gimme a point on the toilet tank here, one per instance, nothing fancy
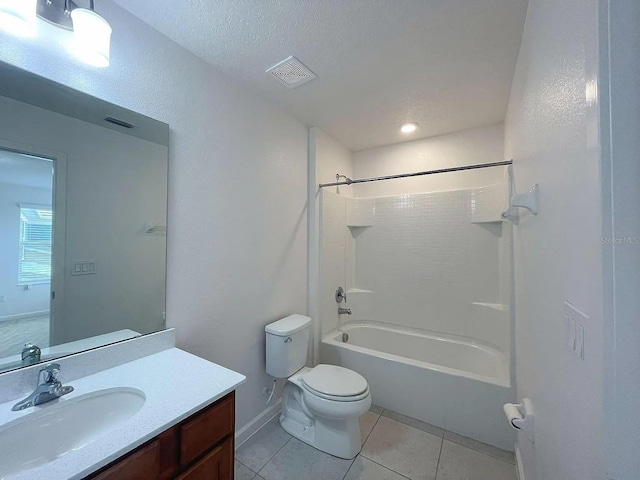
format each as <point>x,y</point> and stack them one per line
<point>287,345</point>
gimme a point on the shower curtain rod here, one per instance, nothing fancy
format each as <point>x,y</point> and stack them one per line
<point>348,181</point>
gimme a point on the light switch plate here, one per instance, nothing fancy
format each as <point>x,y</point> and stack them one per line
<point>84,267</point>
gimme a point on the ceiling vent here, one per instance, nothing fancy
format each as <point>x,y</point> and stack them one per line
<point>291,72</point>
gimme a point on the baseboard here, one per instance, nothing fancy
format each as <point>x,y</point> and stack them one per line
<point>246,432</point>
<point>21,316</point>
<point>519,467</point>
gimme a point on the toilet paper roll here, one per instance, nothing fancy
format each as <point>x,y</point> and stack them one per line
<point>513,415</point>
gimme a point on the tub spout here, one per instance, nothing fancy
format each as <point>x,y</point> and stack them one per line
<point>342,311</point>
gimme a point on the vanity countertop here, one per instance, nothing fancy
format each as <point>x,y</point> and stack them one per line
<point>176,385</point>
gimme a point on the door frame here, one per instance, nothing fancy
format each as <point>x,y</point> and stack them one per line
<point>59,232</point>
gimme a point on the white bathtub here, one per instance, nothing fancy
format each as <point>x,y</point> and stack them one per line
<point>451,382</point>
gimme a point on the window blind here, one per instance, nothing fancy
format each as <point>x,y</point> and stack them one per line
<point>35,244</point>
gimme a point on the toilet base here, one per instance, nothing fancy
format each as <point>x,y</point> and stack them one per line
<point>340,438</point>
<point>337,437</point>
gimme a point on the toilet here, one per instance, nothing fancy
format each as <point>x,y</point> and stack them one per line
<point>321,405</point>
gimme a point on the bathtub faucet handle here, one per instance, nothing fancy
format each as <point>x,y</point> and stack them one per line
<point>341,295</point>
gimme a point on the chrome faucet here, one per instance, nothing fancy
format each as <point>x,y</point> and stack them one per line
<point>342,311</point>
<point>30,354</point>
<point>49,388</point>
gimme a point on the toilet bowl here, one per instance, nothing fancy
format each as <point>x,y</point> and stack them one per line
<point>326,418</point>
<point>321,405</point>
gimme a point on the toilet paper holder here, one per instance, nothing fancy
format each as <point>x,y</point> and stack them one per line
<point>520,416</point>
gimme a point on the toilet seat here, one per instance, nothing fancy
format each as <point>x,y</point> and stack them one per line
<point>335,383</point>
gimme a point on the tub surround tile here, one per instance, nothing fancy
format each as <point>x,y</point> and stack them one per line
<point>243,473</point>
<point>480,447</point>
<point>403,449</point>
<point>299,461</point>
<point>256,452</point>
<point>364,469</point>
<point>367,422</point>
<point>412,422</point>
<point>458,462</point>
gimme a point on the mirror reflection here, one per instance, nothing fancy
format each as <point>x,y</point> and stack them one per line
<point>82,222</point>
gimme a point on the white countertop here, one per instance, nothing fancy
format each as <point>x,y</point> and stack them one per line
<point>176,385</point>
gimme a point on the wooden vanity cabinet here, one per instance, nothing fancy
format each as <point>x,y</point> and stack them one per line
<point>198,448</point>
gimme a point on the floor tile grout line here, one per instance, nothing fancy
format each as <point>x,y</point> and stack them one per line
<point>439,456</point>
<point>251,470</point>
<point>277,451</point>
<point>365,440</point>
<point>443,436</point>
<point>386,467</point>
<point>369,434</point>
<point>479,451</point>
<point>413,426</point>
<point>350,465</point>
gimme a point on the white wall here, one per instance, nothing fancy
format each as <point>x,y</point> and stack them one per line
<point>18,300</point>
<point>552,135</point>
<point>237,244</point>
<point>620,108</point>
<point>468,147</point>
<point>332,158</point>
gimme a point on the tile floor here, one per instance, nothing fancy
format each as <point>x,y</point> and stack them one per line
<point>395,447</point>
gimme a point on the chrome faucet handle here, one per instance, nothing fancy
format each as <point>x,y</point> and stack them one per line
<point>341,295</point>
<point>49,388</point>
<point>31,351</point>
<point>49,374</point>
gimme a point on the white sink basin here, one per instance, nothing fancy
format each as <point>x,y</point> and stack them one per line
<point>64,426</point>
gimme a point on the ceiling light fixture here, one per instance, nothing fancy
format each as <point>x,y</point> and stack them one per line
<point>92,36</point>
<point>17,17</point>
<point>409,128</point>
<point>92,33</point>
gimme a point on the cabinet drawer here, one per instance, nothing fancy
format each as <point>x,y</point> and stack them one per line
<point>216,465</point>
<point>206,430</point>
<point>144,464</point>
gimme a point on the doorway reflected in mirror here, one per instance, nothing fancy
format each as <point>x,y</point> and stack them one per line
<point>26,239</point>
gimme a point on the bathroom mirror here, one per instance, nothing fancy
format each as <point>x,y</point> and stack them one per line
<point>83,219</point>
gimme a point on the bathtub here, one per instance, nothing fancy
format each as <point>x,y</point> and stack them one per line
<point>452,382</point>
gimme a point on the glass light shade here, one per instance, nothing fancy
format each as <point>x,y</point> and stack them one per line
<point>92,37</point>
<point>17,17</point>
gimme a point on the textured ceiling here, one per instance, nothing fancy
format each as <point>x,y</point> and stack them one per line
<point>446,64</point>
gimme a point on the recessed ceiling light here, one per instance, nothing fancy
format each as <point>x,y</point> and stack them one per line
<point>409,127</point>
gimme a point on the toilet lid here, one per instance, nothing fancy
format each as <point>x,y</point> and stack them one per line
<point>335,381</point>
